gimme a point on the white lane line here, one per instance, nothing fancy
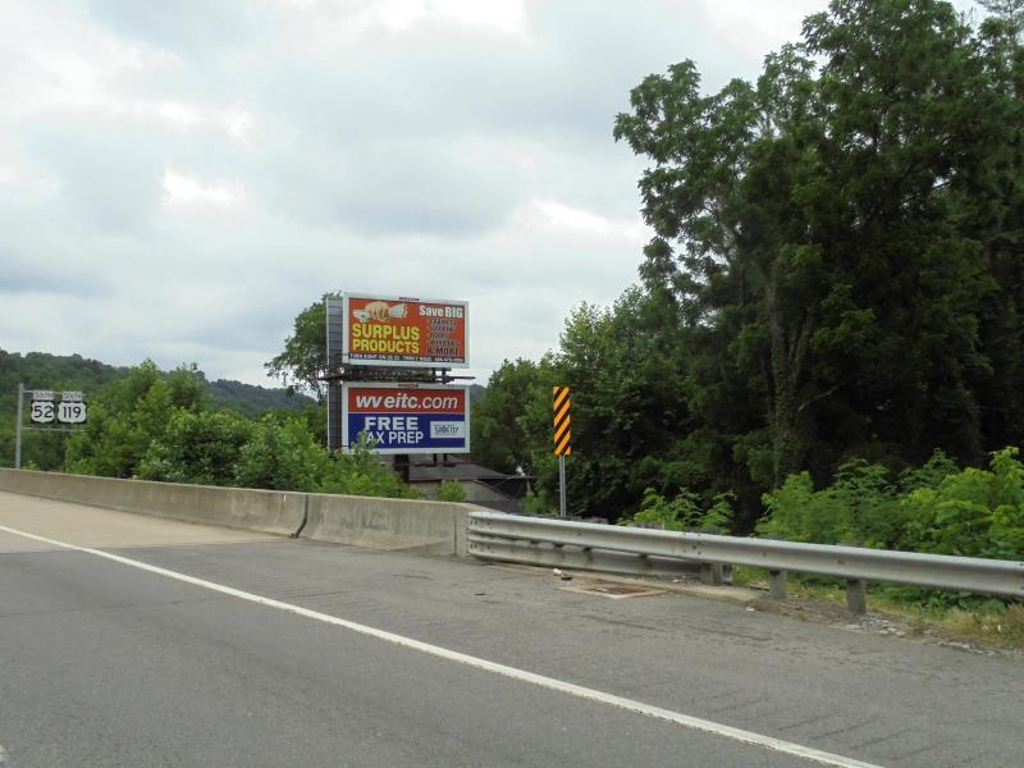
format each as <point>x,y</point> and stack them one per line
<point>551,683</point>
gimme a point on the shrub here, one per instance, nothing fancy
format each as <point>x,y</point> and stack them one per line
<point>282,456</point>
<point>451,490</point>
<point>539,504</point>
<point>975,513</point>
<point>858,508</point>
<point>936,508</point>
<point>200,448</point>
<point>684,512</point>
<point>360,472</point>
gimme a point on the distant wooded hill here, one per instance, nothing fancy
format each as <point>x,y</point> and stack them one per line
<point>39,370</point>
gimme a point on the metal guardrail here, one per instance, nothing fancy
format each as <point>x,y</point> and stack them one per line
<point>544,541</point>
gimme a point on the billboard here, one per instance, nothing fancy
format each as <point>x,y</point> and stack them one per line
<point>405,332</point>
<point>407,418</point>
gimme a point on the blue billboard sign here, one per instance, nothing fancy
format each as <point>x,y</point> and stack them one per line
<point>407,418</point>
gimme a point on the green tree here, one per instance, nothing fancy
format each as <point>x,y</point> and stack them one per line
<point>187,388</point>
<point>125,417</point>
<point>836,272</point>
<point>281,455</point>
<point>1009,15</point>
<point>303,360</point>
<point>499,437</point>
<point>197,447</point>
<point>829,235</point>
<point>625,371</point>
<point>37,370</point>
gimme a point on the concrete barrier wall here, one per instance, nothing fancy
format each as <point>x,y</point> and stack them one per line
<point>252,510</point>
<point>429,527</point>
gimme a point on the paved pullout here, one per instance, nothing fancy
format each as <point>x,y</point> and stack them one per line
<point>102,663</point>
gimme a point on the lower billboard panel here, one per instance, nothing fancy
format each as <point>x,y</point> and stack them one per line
<point>406,418</point>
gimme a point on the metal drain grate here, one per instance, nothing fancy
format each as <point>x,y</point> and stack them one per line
<point>615,591</point>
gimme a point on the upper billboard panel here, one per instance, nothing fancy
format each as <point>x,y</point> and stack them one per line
<point>405,332</point>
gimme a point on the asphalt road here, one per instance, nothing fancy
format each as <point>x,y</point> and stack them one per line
<point>108,663</point>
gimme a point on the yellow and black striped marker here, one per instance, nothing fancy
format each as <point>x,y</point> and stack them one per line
<point>563,434</point>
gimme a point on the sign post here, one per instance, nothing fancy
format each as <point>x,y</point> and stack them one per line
<point>45,410</point>
<point>561,487</point>
<point>563,438</point>
<point>17,431</point>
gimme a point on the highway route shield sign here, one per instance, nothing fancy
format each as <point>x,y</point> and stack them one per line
<point>42,411</point>
<point>71,412</point>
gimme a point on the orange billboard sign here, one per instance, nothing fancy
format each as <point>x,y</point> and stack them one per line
<point>405,332</point>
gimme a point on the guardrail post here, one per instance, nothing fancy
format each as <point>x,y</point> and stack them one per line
<point>857,596</point>
<point>711,574</point>
<point>777,585</point>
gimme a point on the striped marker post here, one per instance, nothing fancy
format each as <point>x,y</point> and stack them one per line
<point>562,403</point>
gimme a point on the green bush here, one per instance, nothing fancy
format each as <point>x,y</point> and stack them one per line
<point>360,472</point>
<point>451,490</point>
<point>125,417</point>
<point>539,504</point>
<point>936,508</point>
<point>159,428</point>
<point>198,447</point>
<point>975,513</point>
<point>858,508</point>
<point>282,456</point>
<point>684,512</point>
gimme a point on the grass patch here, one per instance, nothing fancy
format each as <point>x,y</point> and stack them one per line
<point>1004,627</point>
<point>829,591</point>
<point>989,621</point>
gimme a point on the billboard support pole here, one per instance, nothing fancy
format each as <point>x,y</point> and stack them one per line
<point>402,465</point>
<point>561,486</point>
<point>17,430</point>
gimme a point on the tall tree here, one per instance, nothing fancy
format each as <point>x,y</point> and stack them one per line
<point>623,367</point>
<point>1009,13</point>
<point>125,418</point>
<point>823,232</point>
<point>301,363</point>
<point>500,438</point>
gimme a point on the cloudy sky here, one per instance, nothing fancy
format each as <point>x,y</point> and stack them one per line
<point>179,179</point>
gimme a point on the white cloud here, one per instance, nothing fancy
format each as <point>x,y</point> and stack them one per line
<point>178,114</point>
<point>178,180</point>
<point>503,15</point>
<point>239,124</point>
<point>508,16</point>
<point>185,189</point>
<point>559,218</point>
